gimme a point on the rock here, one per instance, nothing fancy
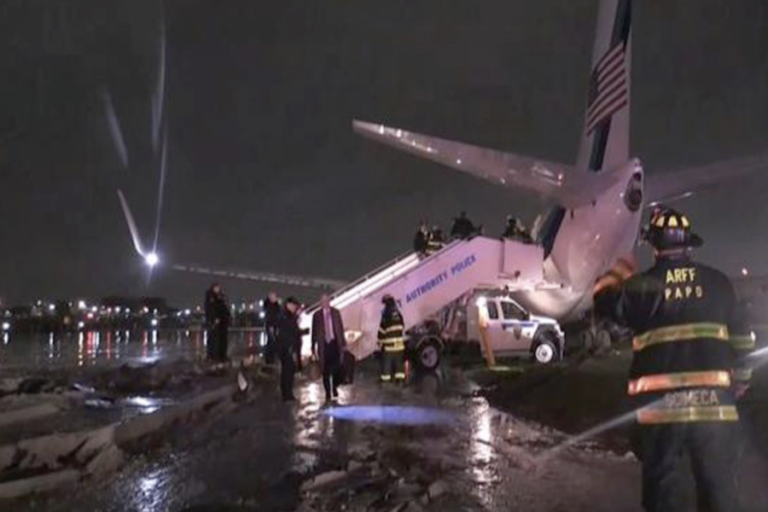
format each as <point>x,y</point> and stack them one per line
<point>105,462</point>
<point>407,489</point>
<point>437,489</point>
<point>411,507</point>
<point>9,385</point>
<point>98,403</point>
<point>82,388</point>
<point>27,413</point>
<point>323,479</point>
<point>38,484</point>
<point>354,466</point>
<point>34,385</point>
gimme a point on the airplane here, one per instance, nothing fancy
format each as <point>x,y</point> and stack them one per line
<point>599,201</point>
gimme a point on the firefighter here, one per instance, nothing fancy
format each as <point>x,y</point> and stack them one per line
<point>392,342</point>
<point>688,368</point>
<point>435,241</point>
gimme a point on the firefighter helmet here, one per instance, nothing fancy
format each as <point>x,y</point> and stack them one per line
<point>669,229</point>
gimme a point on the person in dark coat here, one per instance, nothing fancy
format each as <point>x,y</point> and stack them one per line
<point>328,345</point>
<point>421,239</point>
<point>271,310</point>
<point>217,317</point>
<point>462,227</point>
<point>288,341</point>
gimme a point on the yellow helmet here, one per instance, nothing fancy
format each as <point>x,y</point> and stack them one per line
<point>670,229</point>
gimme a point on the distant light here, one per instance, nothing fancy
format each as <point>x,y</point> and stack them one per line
<point>81,305</point>
<point>154,322</point>
<point>6,326</point>
<point>261,303</point>
<point>94,309</point>
<point>80,325</point>
<point>458,161</point>
<point>152,259</point>
<point>262,314</point>
<point>51,307</point>
<point>744,272</point>
<point>187,312</point>
<point>117,309</point>
<point>481,302</point>
<point>89,316</point>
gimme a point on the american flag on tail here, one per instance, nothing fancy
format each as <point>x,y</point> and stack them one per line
<point>607,87</point>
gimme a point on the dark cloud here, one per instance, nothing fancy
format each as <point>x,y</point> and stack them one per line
<point>264,172</point>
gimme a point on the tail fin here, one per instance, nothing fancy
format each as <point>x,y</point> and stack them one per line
<point>605,139</point>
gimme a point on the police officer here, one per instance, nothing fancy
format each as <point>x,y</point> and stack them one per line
<point>688,368</point>
<point>392,342</point>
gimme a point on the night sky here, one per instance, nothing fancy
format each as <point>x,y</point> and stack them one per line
<point>264,172</point>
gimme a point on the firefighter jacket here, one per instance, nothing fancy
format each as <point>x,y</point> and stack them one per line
<point>392,331</point>
<point>435,242</point>
<point>690,343</point>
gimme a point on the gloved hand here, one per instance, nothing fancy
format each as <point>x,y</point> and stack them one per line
<point>740,389</point>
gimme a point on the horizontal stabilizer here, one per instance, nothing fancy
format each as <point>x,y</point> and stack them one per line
<point>668,186</point>
<point>552,180</point>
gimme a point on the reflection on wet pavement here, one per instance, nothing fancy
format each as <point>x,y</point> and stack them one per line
<point>256,457</point>
<point>20,353</point>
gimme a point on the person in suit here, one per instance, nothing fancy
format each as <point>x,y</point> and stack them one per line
<point>328,345</point>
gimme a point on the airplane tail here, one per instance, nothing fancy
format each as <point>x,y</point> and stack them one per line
<point>605,136</point>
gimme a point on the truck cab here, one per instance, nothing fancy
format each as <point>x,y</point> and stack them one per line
<point>501,324</point>
<point>487,318</point>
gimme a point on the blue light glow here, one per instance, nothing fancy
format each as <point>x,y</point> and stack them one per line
<point>391,415</point>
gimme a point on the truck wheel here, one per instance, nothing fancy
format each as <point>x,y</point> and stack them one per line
<point>602,342</point>
<point>587,339</point>
<point>428,354</point>
<point>545,350</point>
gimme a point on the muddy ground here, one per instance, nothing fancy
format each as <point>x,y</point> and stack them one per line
<point>467,440</point>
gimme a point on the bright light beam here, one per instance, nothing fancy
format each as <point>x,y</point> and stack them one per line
<point>158,102</point>
<point>131,225</point>
<point>115,130</point>
<point>161,189</point>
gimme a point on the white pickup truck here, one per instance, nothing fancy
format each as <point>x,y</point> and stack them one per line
<point>488,318</point>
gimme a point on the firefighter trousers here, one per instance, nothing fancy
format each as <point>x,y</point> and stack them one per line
<point>392,365</point>
<point>709,447</point>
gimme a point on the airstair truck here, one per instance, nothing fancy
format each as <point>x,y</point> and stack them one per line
<point>422,286</point>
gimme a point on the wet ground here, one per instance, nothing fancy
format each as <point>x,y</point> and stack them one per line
<point>257,457</point>
<point>436,445</point>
